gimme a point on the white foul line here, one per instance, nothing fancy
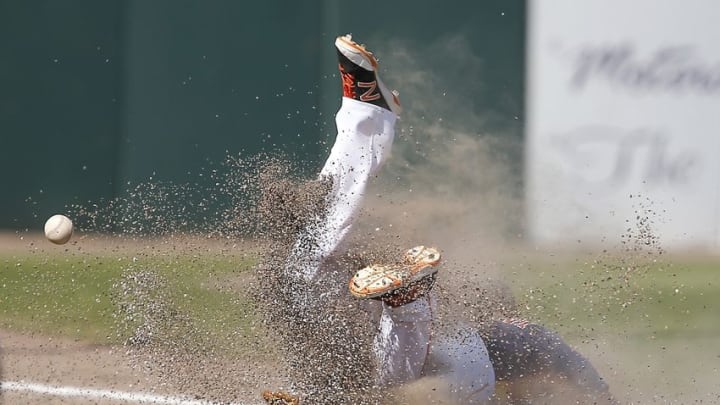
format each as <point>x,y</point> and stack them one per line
<point>138,397</point>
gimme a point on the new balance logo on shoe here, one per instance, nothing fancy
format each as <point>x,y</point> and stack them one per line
<point>371,94</point>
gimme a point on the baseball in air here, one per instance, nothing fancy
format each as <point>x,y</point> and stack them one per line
<point>58,229</point>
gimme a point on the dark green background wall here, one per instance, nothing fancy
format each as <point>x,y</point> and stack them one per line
<point>95,94</point>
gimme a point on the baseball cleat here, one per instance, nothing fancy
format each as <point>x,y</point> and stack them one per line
<point>280,398</point>
<point>376,280</point>
<point>358,70</point>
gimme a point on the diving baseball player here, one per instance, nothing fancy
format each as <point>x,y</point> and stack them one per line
<point>406,347</point>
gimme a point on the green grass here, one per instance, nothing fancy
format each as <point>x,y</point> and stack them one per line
<point>649,323</point>
<point>581,298</point>
<point>639,298</point>
<point>75,295</point>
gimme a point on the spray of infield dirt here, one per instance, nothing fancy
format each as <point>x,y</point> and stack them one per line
<point>321,350</point>
<point>448,185</point>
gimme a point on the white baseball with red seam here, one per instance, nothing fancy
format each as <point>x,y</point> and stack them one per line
<point>58,229</point>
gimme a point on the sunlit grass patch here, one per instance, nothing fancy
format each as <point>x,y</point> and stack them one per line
<point>76,295</point>
<point>66,295</point>
<point>639,299</point>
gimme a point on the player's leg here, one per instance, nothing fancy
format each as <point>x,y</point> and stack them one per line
<point>365,124</point>
<point>532,360</point>
<point>366,129</point>
<point>404,291</point>
<point>457,366</point>
<point>403,340</point>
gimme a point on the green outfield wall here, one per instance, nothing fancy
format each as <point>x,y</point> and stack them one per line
<point>96,94</point>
